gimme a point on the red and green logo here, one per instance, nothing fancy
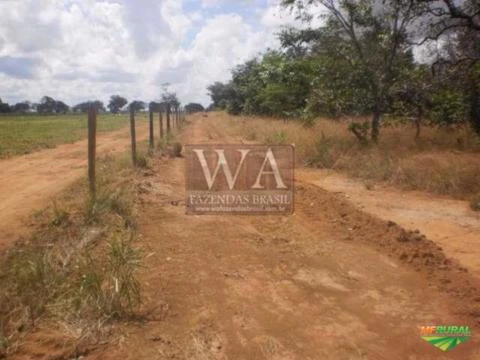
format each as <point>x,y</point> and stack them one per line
<point>445,337</point>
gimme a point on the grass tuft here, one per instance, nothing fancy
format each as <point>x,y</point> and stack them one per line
<point>80,265</point>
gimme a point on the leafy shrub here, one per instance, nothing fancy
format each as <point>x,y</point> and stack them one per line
<point>447,107</point>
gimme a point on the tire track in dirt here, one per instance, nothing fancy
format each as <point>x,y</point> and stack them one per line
<point>329,282</point>
<point>28,182</point>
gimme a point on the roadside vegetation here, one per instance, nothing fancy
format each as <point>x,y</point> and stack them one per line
<point>414,60</point>
<point>441,161</point>
<point>77,272</point>
<point>388,93</point>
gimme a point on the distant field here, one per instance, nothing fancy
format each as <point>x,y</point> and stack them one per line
<point>22,134</point>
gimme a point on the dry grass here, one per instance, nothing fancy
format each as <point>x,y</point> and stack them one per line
<point>442,161</point>
<point>475,202</point>
<point>78,269</point>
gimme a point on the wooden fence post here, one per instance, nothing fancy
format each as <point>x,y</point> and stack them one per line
<point>176,117</point>
<point>133,136</point>
<point>160,118</point>
<point>168,120</point>
<point>151,137</point>
<point>92,149</point>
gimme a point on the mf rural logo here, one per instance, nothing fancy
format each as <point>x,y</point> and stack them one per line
<point>239,179</point>
<point>445,337</point>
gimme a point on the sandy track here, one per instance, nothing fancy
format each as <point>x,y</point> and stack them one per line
<point>28,183</point>
<point>450,223</point>
<point>330,282</point>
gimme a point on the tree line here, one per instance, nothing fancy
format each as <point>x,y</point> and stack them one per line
<point>116,104</point>
<point>360,62</point>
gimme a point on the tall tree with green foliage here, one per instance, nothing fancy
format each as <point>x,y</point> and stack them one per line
<point>372,36</point>
<point>4,107</point>
<point>455,27</point>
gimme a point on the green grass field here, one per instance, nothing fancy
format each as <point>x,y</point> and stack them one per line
<point>22,134</point>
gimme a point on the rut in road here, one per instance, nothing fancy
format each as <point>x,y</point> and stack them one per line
<point>325,283</point>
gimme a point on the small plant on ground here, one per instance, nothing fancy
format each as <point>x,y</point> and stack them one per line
<point>123,289</point>
<point>60,216</point>
<point>109,287</point>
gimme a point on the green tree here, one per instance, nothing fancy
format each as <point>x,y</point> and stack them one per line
<point>155,106</point>
<point>194,107</point>
<point>286,85</point>
<point>455,27</point>
<point>85,106</point>
<point>412,94</point>
<point>47,105</point>
<point>116,103</point>
<point>220,94</point>
<point>4,107</point>
<point>60,107</point>
<point>372,39</point>
<point>137,105</point>
<point>21,107</point>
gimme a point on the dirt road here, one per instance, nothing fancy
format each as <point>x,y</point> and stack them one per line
<point>450,223</point>
<point>330,282</point>
<point>28,183</point>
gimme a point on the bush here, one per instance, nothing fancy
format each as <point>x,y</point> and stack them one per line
<point>447,108</point>
<point>234,107</point>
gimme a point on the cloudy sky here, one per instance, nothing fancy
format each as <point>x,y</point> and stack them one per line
<point>77,50</point>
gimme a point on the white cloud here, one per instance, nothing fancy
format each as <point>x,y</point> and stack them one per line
<point>76,50</point>
<point>219,3</point>
<point>224,42</point>
<point>276,16</point>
